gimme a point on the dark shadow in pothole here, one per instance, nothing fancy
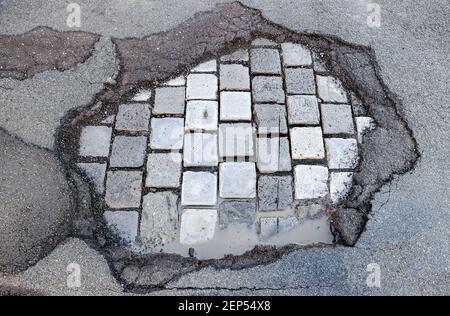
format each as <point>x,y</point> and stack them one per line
<point>388,150</point>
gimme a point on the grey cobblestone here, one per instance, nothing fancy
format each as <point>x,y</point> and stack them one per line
<point>167,133</point>
<point>128,151</point>
<point>337,119</point>
<point>271,119</point>
<point>95,141</point>
<point>300,81</point>
<point>123,224</point>
<point>274,193</point>
<point>202,115</point>
<point>96,173</point>
<point>237,180</point>
<point>133,117</point>
<point>268,89</point>
<point>202,87</point>
<point>236,140</point>
<point>307,143</point>
<point>303,109</point>
<point>310,182</point>
<point>235,106</point>
<point>200,150</point>
<point>342,153</point>
<point>208,66</point>
<point>199,189</point>
<point>197,226</point>
<point>296,55</point>
<point>234,77</point>
<point>163,170</point>
<point>265,61</point>
<point>123,189</point>
<point>237,212</point>
<point>331,89</point>
<point>169,100</point>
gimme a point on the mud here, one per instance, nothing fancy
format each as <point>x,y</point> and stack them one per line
<point>146,62</point>
<point>23,56</point>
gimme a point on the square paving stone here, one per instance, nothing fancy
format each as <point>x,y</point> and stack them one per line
<point>237,212</point>
<point>237,180</point>
<point>208,66</point>
<point>167,133</point>
<point>200,150</point>
<point>265,61</point>
<point>340,185</point>
<point>331,89</point>
<point>123,224</point>
<point>159,221</point>
<point>199,189</point>
<point>300,81</point>
<point>310,182</point>
<point>202,115</point>
<point>271,119</point>
<point>342,153</point>
<point>303,109</point>
<point>202,87</point>
<point>337,119</point>
<point>123,189</point>
<point>95,141</point>
<point>296,55</point>
<point>268,89</point>
<point>307,143</point>
<point>169,100</point>
<point>235,106</point>
<point>274,193</point>
<point>96,172</point>
<point>273,155</point>
<point>128,151</point>
<point>234,77</point>
<point>236,140</point>
<point>239,55</point>
<point>163,170</point>
<point>133,117</point>
<point>197,226</point>
<point>268,227</point>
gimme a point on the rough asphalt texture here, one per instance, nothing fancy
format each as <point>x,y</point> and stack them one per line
<point>36,203</point>
<point>408,232</point>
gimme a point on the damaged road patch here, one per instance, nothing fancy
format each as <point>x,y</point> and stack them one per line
<point>250,68</point>
<point>23,56</point>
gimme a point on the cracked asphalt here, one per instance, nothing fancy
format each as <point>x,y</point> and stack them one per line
<point>407,234</point>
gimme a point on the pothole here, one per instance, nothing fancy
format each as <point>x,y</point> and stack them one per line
<point>253,148</point>
<point>232,151</point>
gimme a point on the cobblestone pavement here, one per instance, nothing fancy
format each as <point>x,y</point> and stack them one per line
<point>251,149</point>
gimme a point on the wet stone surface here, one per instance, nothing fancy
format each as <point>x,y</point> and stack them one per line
<point>239,158</point>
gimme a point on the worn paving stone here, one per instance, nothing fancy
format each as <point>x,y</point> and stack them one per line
<point>340,185</point>
<point>274,193</point>
<point>96,173</point>
<point>237,180</point>
<point>167,133</point>
<point>337,119</point>
<point>133,117</point>
<point>159,220</point>
<point>199,189</point>
<point>331,89</point>
<point>208,66</point>
<point>286,224</point>
<point>307,143</point>
<point>310,182</point>
<point>319,63</point>
<point>296,55</point>
<point>241,55</point>
<point>202,87</point>
<point>200,150</point>
<point>342,153</point>
<point>273,155</point>
<point>268,89</point>
<point>300,81</point>
<point>364,125</point>
<point>271,119</point>
<point>123,224</point>
<point>128,151</point>
<point>268,227</point>
<point>169,100</point>
<point>263,42</point>
<point>123,189</point>
<point>237,212</point>
<point>303,109</point>
<point>202,115</point>
<point>95,141</point>
<point>197,226</point>
<point>236,140</point>
<point>265,61</point>
<point>176,82</point>
<point>234,77</point>
<point>142,95</point>
<point>163,170</point>
<point>235,106</point>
